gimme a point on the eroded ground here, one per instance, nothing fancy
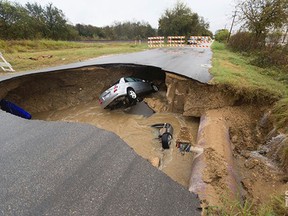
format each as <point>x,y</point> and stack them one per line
<point>72,95</point>
<point>137,132</point>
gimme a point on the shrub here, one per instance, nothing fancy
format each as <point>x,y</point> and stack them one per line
<point>272,56</point>
<point>243,42</point>
<point>222,35</point>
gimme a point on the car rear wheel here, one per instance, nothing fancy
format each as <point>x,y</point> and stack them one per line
<point>166,140</point>
<point>155,88</point>
<point>132,96</point>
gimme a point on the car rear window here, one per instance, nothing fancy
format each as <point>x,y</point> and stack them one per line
<point>129,79</point>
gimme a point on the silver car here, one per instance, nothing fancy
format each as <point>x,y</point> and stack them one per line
<point>125,91</point>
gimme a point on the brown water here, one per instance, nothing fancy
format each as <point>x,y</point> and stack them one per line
<point>136,131</point>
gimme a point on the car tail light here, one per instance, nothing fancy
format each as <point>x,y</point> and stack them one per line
<point>100,101</point>
<point>115,88</point>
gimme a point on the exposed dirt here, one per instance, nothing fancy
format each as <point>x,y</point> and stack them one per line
<point>73,96</point>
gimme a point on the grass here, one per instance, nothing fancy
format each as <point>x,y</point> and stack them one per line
<point>31,55</point>
<point>273,207</point>
<point>234,71</point>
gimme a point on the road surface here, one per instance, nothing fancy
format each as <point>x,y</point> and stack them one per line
<point>190,62</point>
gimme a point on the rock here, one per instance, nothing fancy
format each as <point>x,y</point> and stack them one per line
<point>246,183</point>
<point>234,139</point>
<point>155,162</point>
<point>245,154</point>
<point>251,163</point>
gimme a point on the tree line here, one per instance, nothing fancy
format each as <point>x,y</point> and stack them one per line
<point>34,21</point>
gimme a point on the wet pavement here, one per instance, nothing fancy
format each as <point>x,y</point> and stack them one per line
<point>187,61</point>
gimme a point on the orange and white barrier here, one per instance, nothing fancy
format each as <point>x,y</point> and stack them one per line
<point>156,41</point>
<point>176,41</point>
<point>179,41</point>
<point>200,41</point>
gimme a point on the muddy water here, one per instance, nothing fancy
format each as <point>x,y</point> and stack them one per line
<point>136,131</point>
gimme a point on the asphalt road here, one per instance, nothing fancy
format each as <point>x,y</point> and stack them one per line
<point>58,168</point>
<point>190,62</point>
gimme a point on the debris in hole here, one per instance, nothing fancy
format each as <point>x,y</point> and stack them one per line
<point>155,162</point>
<point>183,147</point>
<point>183,142</point>
<point>14,109</point>
<point>165,134</point>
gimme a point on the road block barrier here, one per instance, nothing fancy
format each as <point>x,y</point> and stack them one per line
<point>176,41</point>
<point>156,41</point>
<point>180,41</point>
<point>199,41</point>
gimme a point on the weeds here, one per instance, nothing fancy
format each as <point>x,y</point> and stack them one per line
<point>28,55</point>
<point>234,71</point>
<point>274,207</point>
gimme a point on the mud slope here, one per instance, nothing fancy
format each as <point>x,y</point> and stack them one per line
<point>57,90</point>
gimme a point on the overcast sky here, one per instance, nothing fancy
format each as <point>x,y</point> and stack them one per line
<point>104,12</point>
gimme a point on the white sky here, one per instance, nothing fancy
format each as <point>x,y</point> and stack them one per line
<point>104,12</point>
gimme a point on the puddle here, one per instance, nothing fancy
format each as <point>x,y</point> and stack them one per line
<point>137,132</point>
<point>140,109</point>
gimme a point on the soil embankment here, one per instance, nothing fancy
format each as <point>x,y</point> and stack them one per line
<point>72,95</point>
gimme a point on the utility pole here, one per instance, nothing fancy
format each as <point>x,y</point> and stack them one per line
<point>231,26</point>
<point>285,35</point>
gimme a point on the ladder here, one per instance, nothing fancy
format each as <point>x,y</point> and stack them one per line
<point>4,65</point>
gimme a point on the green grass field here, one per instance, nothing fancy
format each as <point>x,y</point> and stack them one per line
<point>234,71</point>
<point>31,55</point>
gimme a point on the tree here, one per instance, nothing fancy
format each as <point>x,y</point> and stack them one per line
<point>37,23</point>
<point>262,16</point>
<point>222,35</point>
<point>129,31</point>
<point>180,20</point>
<point>14,21</point>
<point>56,23</point>
<point>89,31</point>
<point>33,22</point>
